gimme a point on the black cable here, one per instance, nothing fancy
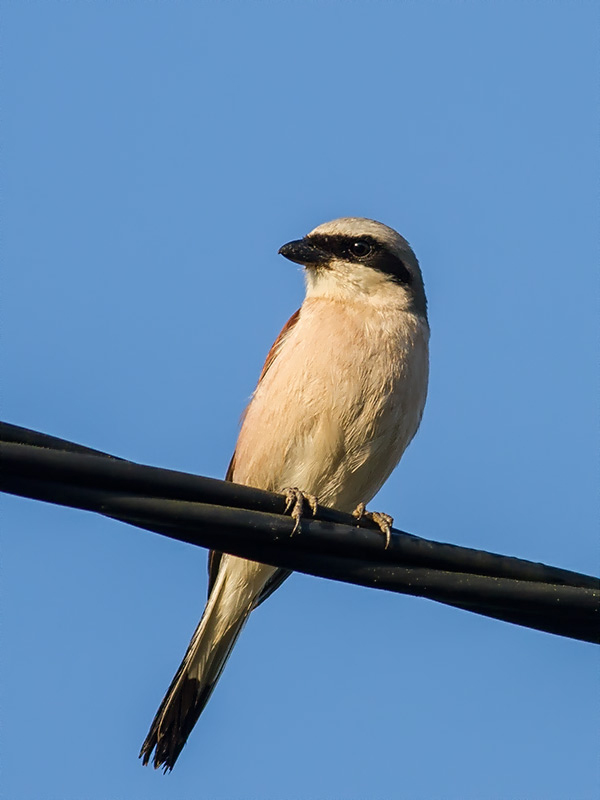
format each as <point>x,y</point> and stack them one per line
<point>250,523</point>
<point>106,472</point>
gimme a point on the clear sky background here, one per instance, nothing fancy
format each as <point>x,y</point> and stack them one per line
<point>154,158</point>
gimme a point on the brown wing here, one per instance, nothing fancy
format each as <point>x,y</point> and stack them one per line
<point>214,556</point>
<point>276,347</point>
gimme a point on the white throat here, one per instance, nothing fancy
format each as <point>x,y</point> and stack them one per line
<point>347,282</point>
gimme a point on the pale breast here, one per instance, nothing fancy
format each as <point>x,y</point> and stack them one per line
<point>339,404</point>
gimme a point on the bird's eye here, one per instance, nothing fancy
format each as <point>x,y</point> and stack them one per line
<point>360,249</point>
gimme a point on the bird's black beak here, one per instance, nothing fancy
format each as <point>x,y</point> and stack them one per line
<point>304,252</point>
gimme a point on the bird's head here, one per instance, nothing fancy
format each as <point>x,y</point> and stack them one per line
<point>352,256</point>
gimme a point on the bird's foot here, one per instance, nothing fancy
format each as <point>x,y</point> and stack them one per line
<point>294,503</point>
<point>383,521</point>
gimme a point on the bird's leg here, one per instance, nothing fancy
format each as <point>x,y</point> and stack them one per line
<point>383,521</point>
<point>294,502</point>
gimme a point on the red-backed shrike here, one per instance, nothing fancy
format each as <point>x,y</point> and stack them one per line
<point>339,398</point>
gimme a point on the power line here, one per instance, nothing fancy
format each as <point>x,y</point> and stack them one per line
<point>251,523</point>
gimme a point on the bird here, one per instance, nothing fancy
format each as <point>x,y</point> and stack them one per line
<point>339,398</point>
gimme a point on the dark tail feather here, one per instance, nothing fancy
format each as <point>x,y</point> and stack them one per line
<point>192,685</point>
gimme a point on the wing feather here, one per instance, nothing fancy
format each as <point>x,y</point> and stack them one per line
<point>214,556</point>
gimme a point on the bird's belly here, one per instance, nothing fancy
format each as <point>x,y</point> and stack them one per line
<point>331,433</point>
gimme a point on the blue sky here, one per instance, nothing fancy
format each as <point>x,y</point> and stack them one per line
<point>154,158</point>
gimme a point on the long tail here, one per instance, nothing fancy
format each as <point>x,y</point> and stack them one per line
<point>231,600</point>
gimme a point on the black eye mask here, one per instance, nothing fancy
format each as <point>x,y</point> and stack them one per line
<point>363,250</point>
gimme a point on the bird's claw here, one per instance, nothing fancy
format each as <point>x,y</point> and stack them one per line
<point>294,502</point>
<point>383,521</point>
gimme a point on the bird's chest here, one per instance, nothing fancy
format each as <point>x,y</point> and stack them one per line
<point>362,375</point>
<point>337,407</point>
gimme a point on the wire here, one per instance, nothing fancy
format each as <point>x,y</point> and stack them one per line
<point>251,523</point>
